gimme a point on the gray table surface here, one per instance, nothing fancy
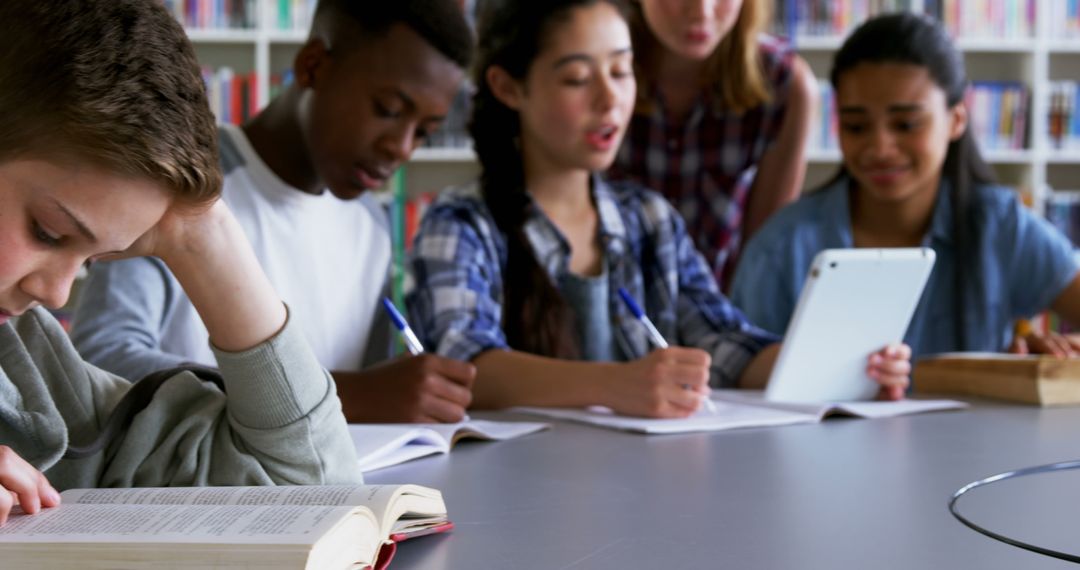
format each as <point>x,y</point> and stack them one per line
<point>846,493</point>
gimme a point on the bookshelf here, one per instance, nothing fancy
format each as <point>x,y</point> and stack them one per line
<point>1033,52</point>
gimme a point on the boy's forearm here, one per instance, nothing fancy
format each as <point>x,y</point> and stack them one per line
<point>221,275</point>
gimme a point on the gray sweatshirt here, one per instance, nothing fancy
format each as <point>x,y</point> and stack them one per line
<point>281,422</point>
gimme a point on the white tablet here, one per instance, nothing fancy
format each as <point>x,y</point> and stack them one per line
<point>854,302</point>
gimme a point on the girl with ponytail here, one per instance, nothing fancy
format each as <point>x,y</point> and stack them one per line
<point>912,176</point>
<point>521,273</point>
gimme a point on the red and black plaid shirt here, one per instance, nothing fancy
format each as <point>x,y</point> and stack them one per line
<point>706,164</point>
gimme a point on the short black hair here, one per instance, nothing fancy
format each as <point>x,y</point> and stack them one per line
<point>441,23</point>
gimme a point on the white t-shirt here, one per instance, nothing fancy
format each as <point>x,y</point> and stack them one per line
<point>328,259</point>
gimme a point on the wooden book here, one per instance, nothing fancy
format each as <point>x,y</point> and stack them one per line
<point>1036,379</point>
<point>269,528</point>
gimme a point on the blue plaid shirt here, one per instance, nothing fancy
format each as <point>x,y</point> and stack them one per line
<point>459,257</point>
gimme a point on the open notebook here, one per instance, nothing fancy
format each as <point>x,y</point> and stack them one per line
<point>383,445</point>
<point>741,409</point>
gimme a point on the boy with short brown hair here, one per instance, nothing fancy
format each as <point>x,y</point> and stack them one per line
<point>107,149</point>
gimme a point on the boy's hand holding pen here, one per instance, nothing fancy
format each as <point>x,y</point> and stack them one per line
<point>416,348</point>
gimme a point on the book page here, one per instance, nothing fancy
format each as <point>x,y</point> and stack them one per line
<point>194,524</point>
<point>865,409</point>
<point>382,445</point>
<point>728,415</point>
<point>898,408</point>
<point>371,496</point>
<point>980,356</point>
<point>487,430</point>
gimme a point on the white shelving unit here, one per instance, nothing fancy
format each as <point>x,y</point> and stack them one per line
<point>1035,61</point>
<point>257,49</point>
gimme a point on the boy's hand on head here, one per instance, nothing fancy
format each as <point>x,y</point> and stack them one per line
<point>179,229</point>
<point>22,484</point>
<point>890,367</point>
<point>426,388</point>
<point>666,383</point>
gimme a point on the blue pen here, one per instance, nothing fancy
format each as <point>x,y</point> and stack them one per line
<point>411,342</point>
<point>654,335</point>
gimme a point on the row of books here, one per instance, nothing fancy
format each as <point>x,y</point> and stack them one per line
<point>795,18</point>
<point>241,14</point>
<point>1063,120</point>
<point>998,112</point>
<point>824,133</point>
<point>233,95</point>
<point>964,18</point>
<point>986,18</point>
<point>293,14</point>
<point>214,14</point>
<point>998,116</point>
<point>1064,18</point>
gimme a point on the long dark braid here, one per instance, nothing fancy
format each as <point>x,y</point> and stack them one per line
<point>536,318</point>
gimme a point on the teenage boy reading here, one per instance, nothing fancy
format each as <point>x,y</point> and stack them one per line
<point>912,176</point>
<point>108,148</point>
<point>520,273</point>
<point>373,79</point>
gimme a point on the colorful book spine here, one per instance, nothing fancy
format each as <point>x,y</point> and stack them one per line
<point>295,14</point>
<point>997,113</point>
<point>988,18</point>
<point>232,95</point>
<point>1063,121</point>
<point>213,14</point>
<point>964,18</point>
<point>1064,18</point>
<point>824,135</point>
<point>794,18</point>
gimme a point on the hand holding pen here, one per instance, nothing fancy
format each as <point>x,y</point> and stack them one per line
<point>441,388</point>
<point>656,338</point>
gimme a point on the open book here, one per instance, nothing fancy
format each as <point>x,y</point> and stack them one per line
<point>316,527</point>
<point>741,409</point>
<point>1031,379</point>
<point>383,445</point>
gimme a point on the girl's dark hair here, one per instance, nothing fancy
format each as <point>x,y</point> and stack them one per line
<point>512,33</point>
<point>914,39</point>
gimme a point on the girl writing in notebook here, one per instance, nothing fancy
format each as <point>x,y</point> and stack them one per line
<point>520,274</point>
<point>721,120</point>
<point>912,176</point>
